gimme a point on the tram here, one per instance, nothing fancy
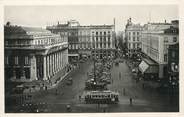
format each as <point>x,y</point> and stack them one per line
<point>101,97</point>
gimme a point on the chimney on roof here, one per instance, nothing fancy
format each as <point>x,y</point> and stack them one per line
<point>8,23</point>
<point>114,24</point>
<point>130,19</point>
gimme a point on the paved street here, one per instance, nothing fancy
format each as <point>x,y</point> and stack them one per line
<point>144,99</point>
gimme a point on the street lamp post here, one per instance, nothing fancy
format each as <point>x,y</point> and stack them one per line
<point>94,59</point>
<point>94,69</point>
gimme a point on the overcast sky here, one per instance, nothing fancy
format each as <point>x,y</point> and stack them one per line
<point>41,16</point>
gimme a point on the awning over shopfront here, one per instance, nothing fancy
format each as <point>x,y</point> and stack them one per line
<point>143,66</point>
<point>148,66</point>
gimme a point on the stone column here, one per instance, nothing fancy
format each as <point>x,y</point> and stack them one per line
<point>66,56</point>
<point>105,42</point>
<point>33,74</point>
<point>44,68</point>
<point>62,59</point>
<point>22,72</point>
<point>57,61</point>
<point>50,64</point>
<point>48,68</point>
<point>52,59</point>
<point>112,42</point>
<point>95,41</point>
<point>53,65</point>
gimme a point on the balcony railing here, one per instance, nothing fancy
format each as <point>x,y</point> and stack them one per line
<point>31,46</point>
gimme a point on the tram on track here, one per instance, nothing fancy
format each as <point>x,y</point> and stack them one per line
<point>101,97</point>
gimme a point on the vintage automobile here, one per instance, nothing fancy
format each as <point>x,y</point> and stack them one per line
<point>106,80</point>
<point>101,97</point>
<point>116,63</point>
<point>69,81</point>
<point>92,85</point>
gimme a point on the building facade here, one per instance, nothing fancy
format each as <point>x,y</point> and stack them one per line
<point>133,37</point>
<point>93,40</point>
<point>85,42</point>
<point>173,64</point>
<point>156,38</point>
<point>69,31</point>
<point>33,54</point>
<point>103,41</point>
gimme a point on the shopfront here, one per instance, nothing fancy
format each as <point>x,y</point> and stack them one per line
<point>149,69</point>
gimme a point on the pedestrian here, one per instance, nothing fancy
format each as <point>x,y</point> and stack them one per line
<point>136,80</point>
<point>123,91</point>
<point>68,108</point>
<point>79,98</point>
<point>119,75</point>
<point>46,88</point>
<point>130,101</point>
<point>56,91</point>
<point>143,86</point>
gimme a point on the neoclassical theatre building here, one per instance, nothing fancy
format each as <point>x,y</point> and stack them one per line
<point>33,54</point>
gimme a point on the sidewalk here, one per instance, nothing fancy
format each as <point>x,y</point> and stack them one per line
<point>64,77</point>
<point>45,85</point>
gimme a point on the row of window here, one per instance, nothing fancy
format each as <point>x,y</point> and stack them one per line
<point>165,57</point>
<point>134,33</point>
<point>174,39</point>
<point>100,39</point>
<point>134,45</point>
<point>49,41</point>
<point>35,42</point>
<point>17,42</point>
<point>134,38</point>
<point>101,33</point>
<point>101,96</point>
<point>16,60</point>
<point>73,46</point>
<point>104,46</point>
<point>97,38</point>
<point>88,45</point>
<point>154,54</point>
<point>84,33</point>
<point>84,39</point>
<point>63,33</point>
<point>85,45</point>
